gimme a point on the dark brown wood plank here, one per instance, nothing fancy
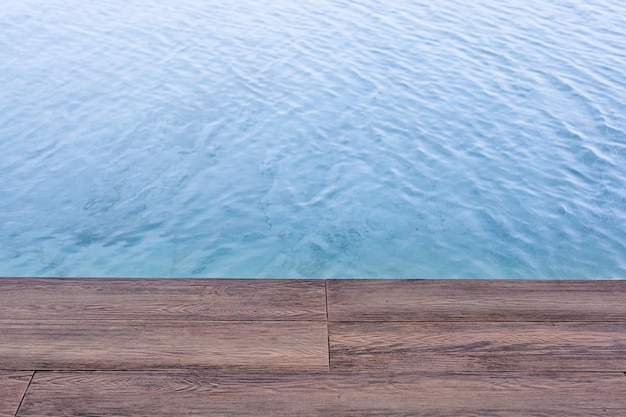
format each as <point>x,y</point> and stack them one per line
<point>156,299</point>
<point>12,388</point>
<point>476,300</point>
<point>184,343</point>
<point>346,395</point>
<point>455,346</point>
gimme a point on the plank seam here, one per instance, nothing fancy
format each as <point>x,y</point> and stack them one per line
<point>480,321</point>
<point>32,376</point>
<point>327,321</point>
<point>247,372</point>
<point>142,321</point>
<point>325,314</point>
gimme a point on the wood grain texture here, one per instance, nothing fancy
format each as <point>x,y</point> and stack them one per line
<point>261,347</point>
<point>346,395</point>
<point>184,343</point>
<point>476,300</point>
<point>157,299</point>
<point>12,388</point>
<point>400,346</point>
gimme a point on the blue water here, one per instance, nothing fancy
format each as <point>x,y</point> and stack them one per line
<point>326,138</point>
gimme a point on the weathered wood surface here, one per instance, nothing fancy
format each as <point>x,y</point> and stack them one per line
<point>12,388</point>
<point>328,394</point>
<point>462,346</point>
<point>157,299</point>
<point>184,343</point>
<point>308,348</point>
<point>476,300</point>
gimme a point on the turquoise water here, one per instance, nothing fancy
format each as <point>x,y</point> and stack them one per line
<point>326,138</point>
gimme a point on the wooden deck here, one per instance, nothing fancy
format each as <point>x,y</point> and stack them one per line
<point>104,347</point>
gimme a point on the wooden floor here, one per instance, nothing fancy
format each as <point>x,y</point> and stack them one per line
<point>94,347</point>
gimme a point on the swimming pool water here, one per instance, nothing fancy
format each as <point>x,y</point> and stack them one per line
<point>326,138</point>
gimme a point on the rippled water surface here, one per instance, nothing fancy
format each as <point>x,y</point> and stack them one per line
<point>326,138</point>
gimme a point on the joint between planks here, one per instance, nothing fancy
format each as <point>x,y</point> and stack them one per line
<point>327,322</point>
<point>32,376</point>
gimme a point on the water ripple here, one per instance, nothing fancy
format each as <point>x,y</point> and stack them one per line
<point>334,138</point>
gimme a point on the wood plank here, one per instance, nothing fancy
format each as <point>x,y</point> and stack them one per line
<point>476,300</point>
<point>403,346</point>
<point>351,395</point>
<point>184,343</point>
<point>156,299</point>
<point>12,388</point>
